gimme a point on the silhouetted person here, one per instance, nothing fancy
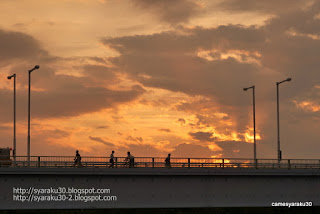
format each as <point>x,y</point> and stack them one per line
<point>167,161</point>
<point>111,160</point>
<point>77,159</point>
<point>130,159</point>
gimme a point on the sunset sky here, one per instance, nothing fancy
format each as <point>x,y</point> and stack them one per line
<point>154,77</point>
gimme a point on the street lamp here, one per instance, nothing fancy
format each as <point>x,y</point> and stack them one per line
<point>14,116</point>
<point>279,151</point>
<point>35,67</point>
<point>254,124</point>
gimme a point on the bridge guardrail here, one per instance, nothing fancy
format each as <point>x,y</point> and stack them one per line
<point>159,162</point>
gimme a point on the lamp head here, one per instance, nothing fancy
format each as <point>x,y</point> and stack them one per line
<point>245,89</point>
<point>9,77</point>
<point>288,79</point>
<point>35,67</point>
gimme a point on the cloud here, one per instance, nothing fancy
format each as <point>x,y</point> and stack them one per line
<point>100,140</point>
<point>56,133</point>
<point>212,63</point>
<point>45,140</point>
<point>181,121</point>
<point>19,46</point>
<point>192,151</point>
<point>217,63</point>
<point>67,102</point>
<point>271,6</point>
<point>164,130</point>
<point>58,94</point>
<point>172,12</point>
<point>236,149</point>
<point>159,60</point>
<point>98,74</point>
<point>202,136</point>
<point>136,139</point>
<point>103,127</point>
<point>78,100</point>
<point>142,150</point>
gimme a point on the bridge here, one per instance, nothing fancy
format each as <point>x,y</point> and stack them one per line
<point>56,182</point>
<point>156,162</point>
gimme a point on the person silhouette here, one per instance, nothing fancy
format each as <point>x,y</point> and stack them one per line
<point>167,161</point>
<point>130,159</point>
<point>111,160</point>
<point>77,159</point>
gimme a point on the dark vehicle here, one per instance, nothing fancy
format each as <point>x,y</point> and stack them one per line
<point>5,160</point>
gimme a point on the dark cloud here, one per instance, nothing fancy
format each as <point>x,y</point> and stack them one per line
<point>181,121</point>
<point>164,130</point>
<point>202,136</point>
<point>78,100</point>
<point>270,6</point>
<point>160,60</point>
<point>102,127</point>
<point>100,140</point>
<point>98,75</point>
<point>188,41</point>
<point>98,59</point>
<point>172,12</point>
<point>236,149</point>
<point>298,139</point>
<point>136,139</point>
<point>67,101</point>
<point>60,95</point>
<point>19,46</point>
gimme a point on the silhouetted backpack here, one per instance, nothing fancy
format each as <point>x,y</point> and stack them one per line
<point>167,160</point>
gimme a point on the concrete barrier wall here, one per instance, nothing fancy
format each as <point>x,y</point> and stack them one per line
<point>156,188</point>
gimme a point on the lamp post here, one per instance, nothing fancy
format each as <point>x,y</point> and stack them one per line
<point>14,116</point>
<point>254,124</point>
<point>35,67</point>
<point>278,123</point>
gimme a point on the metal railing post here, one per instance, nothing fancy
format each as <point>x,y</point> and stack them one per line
<point>289,165</point>
<point>38,161</point>
<point>222,162</point>
<point>188,162</point>
<point>116,162</point>
<point>152,162</point>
